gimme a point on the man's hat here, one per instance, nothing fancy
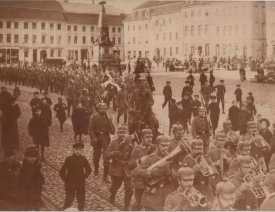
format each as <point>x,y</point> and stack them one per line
<point>196,143</point>
<point>35,93</point>
<point>163,139</point>
<point>32,151</point>
<point>147,131</point>
<point>177,127</point>
<point>266,121</point>
<point>221,137</point>
<point>122,128</point>
<point>168,82</point>
<point>196,95</point>
<point>251,124</point>
<point>78,146</point>
<point>225,188</point>
<point>185,171</point>
<point>221,80</point>
<point>213,97</point>
<point>238,85</point>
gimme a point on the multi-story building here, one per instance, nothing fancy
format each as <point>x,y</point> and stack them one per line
<point>35,30</point>
<point>182,29</point>
<point>270,29</point>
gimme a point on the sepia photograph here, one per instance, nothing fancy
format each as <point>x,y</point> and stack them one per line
<point>137,105</point>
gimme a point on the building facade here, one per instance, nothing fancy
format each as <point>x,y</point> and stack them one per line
<point>37,30</point>
<point>197,29</point>
<point>270,29</point>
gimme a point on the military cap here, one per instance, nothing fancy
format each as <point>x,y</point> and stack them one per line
<point>146,131</point>
<point>221,80</point>
<point>177,127</point>
<point>266,121</point>
<point>238,85</point>
<point>196,95</point>
<point>251,124</point>
<point>185,171</point>
<point>78,146</point>
<point>101,105</point>
<point>163,139</point>
<point>122,128</point>
<point>227,123</point>
<point>196,142</point>
<point>201,108</point>
<point>221,136</point>
<point>9,153</point>
<point>35,93</point>
<point>31,151</point>
<point>168,82</point>
<point>225,188</point>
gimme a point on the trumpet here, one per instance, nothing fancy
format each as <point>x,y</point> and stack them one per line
<point>195,198</point>
<point>257,190</point>
<point>206,169</point>
<point>185,147</point>
<point>259,141</point>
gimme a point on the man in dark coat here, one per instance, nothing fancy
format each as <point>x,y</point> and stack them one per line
<point>233,115</point>
<point>187,90</point>
<point>122,103</point>
<point>196,103</point>
<point>35,101</point>
<point>100,128</point>
<point>191,79</point>
<point>167,93</point>
<point>60,109</point>
<point>5,98</point>
<point>74,172</point>
<point>9,171</point>
<point>79,120</point>
<point>220,94</point>
<point>214,112</point>
<point>187,107</point>
<point>211,80</point>
<point>244,118</point>
<point>238,93</point>
<point>39,131</point>
<point>9,129</point>
<point>203,78</point>
<point>46,112</point>
<point>119,151</point>
<point>30,181</point>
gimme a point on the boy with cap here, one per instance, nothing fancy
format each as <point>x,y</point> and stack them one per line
<point>9,171</point>
<point>30,181</point>
<point>74,172</point>
<point>167,93</point>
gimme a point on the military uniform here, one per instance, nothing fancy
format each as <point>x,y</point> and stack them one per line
<point>119,151</point>
<point>139,152</point>
<point>99,131</point>
<point>200,128</point>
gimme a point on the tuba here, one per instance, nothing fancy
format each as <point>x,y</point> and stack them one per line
<point>205,168</point>
<point>257,190</point>
<point>195,198</point>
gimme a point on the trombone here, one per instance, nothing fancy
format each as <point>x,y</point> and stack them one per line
<point>195,198</point>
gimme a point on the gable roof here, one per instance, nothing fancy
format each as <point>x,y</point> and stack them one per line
<point>154,4</point>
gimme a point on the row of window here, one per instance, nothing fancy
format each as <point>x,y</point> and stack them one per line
<point>138,27</point>
<point>220,30</point>
<point>52,53</point>
<point>170,36</point>
<point>70,39</point>
<point>34,25</point>
<point>166,52</point>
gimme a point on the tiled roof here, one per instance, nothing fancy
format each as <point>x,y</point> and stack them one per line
<point>33,4</point>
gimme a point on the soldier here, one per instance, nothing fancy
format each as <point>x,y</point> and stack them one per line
<point>203,182</point>
<point>167,92</point>
<point>122,103</point>
<point>244,118</point>
<point>100,128</point>
<point>30,181</point>
<point>191,79</point>
<point>211,80</point>
<point>245,199</point>
<point>196,103</point>
<point>187,90</point>
<point>233,115</point>
<point>214,112</point>
<point>220,155</point>
<point>225,197</point>
<point>243,149</point>
<point>71,96</point>
<point>79,117</point>
<point>201,129</point>
<point>74,172</point>
<point>187,107</point>
<point>203,78</point>
<point>138,155</point>
<point>120,151</point>
<point>35,101</point>
<point>158,184</point>
<point>48,99</point>
<point>220,94</point>
<point>206,92</point>
<point>238,93</point>
<point>178,132</point>
<point>177,201</point>
<point>9,171</point>
<point>60,109</point>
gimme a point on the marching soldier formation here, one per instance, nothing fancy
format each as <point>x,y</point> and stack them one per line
<point>201,169</point>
